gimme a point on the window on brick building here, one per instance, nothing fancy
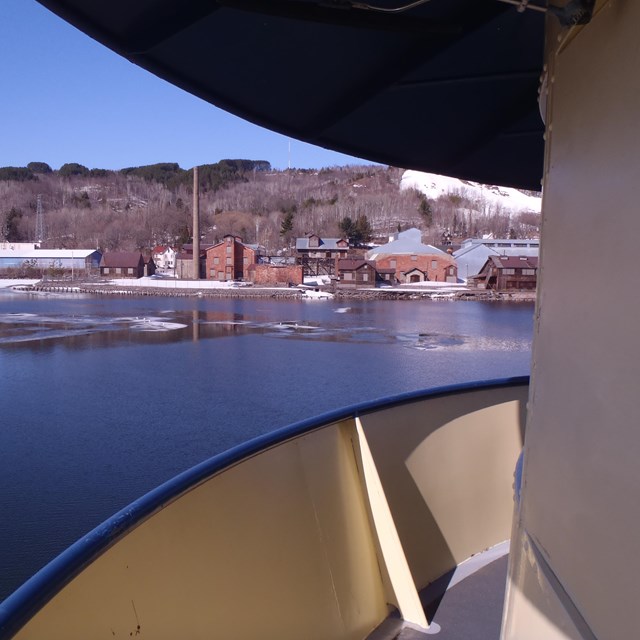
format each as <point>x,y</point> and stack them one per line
<point>216,260</point>
<point>434,264</point>
<point>393,263</point>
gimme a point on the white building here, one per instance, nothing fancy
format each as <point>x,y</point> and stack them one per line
<point>164,257</point>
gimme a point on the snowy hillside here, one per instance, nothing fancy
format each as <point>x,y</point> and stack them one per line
<point>486,198</point>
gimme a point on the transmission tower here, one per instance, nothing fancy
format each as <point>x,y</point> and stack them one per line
<point>39,220</point>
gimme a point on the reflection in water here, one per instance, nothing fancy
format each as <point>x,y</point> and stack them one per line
<point>195,325</point>
<point>32,330</point>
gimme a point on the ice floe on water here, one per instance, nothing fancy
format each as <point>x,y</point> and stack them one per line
<point>155,324</point>
<point>29,327</point>
<point>17,316</point>
<point>176,325</point>
<point>150,323</point>
<point>432,341</point>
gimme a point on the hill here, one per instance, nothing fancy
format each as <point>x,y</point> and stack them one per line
<point>140,207</point>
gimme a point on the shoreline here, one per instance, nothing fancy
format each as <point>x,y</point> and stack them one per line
<point>399,293</point>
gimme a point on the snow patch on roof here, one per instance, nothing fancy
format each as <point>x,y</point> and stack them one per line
<point>405,242</point>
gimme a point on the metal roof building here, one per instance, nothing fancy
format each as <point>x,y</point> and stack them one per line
<point>406,242</point>
<point>47,258</point>
<point>475,252</point>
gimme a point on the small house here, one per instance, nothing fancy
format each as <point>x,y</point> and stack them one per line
<point>507,273</point>
<point>126,264</point>
<point>164,257</point>
<point>356,273</point>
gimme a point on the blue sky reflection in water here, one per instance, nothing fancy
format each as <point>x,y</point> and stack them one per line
<point>104,398</point>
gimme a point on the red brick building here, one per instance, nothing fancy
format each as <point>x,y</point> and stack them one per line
<point>230,259</point>
<point>413,261</point>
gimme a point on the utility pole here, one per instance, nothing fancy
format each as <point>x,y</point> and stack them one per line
<point>196,225</point>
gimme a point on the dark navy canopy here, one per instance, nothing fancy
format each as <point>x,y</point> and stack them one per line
<point>448,86</point>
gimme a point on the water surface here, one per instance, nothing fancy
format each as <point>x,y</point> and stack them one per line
<point>102,399</point>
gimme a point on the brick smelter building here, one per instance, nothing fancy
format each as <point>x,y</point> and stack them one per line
<point>230,259</point>
<point>413,261</point>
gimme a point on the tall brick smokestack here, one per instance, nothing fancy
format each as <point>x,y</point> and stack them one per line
<point>196,225</point>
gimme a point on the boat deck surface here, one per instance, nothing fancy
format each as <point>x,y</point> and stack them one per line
<point>465,604</point>
<point>472,609</point>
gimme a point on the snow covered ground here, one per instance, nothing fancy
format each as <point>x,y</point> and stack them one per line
<point>310,294</point>
<point>317,281</point>
<point>14,282</point>
<point>165,283</point>
<point>487,196</point>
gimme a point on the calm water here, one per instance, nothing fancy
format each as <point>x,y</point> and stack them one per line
<point>101,399</point>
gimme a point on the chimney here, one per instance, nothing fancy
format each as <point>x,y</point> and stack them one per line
<point>196,225</point>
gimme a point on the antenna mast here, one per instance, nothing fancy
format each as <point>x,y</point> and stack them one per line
<point>39,220</point>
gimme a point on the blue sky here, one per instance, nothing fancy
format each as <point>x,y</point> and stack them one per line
<point>65,98</point>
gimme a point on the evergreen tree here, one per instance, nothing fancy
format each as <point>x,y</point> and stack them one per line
<point>347,227</point>
<point>424,207</point>
<point>287,224</point>
<point>11,225</point>
<point>356,232</point>
<point>364,232</point>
